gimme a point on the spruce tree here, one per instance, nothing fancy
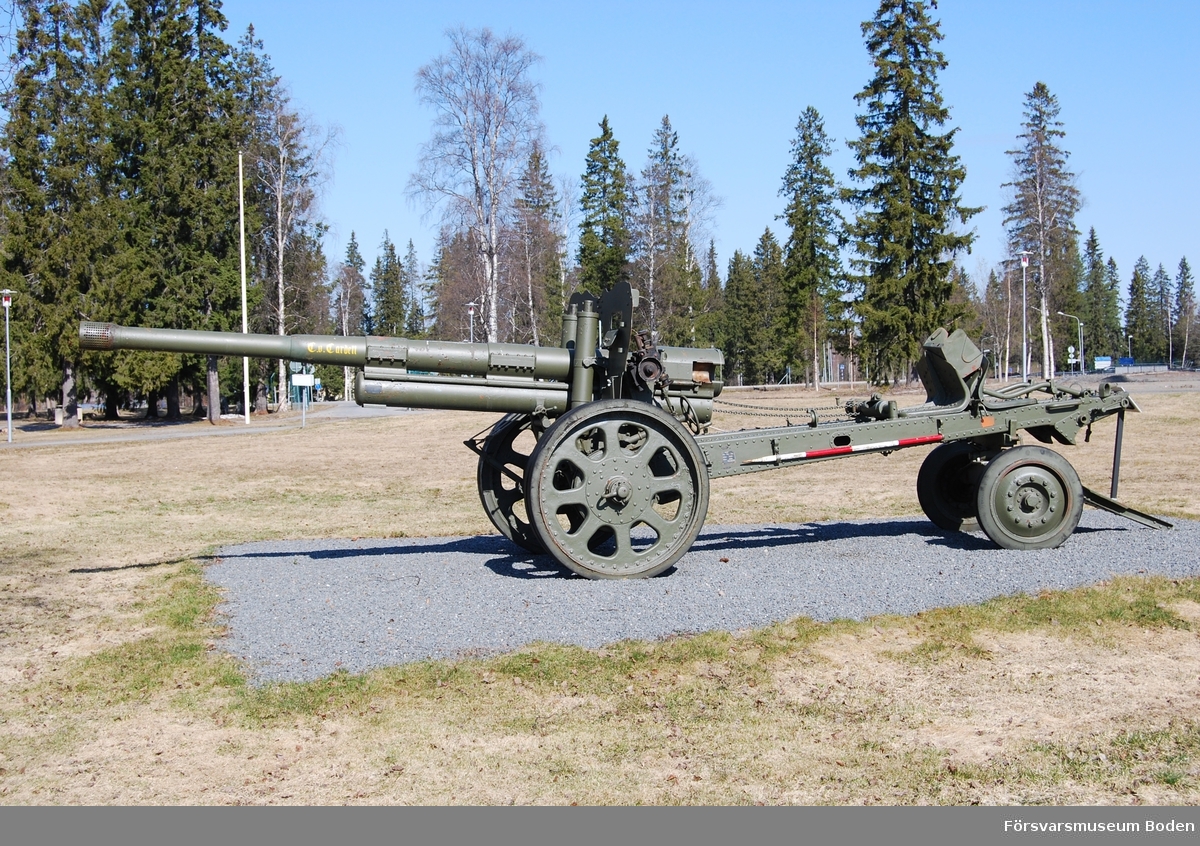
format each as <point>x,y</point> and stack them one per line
<point>604,233</point>
<point>740,318</point>
<point>538,251</point>
<point>60,208</point>
<point>812,268</point>
<point>1141,314</point>
<point>710,318</point>
<point>1112,280</point>
<point>1041,217</point>
<point>390,290</point>
<point>658,234</point>
<point>178,123</point>
<point>350,303</point>
<point>415,325</point>
<point>768,356</point>
<point>1160,295</point>
<point>1101,302</point>
<point>909,205</point>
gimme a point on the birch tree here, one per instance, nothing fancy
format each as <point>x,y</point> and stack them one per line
<point>292,164</point>
<point>485,123</point>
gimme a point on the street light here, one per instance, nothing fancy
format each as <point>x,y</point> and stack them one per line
<point>1080,322</point>
<point>1024,254</point>
<point>471,317</point>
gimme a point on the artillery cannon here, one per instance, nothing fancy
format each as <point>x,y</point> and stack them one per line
<point>616,482</point>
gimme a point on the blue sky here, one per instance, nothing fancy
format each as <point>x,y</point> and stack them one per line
<point>734,77</point>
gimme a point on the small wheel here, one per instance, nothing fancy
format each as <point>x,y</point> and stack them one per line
<point>617,489</point>
<point>501,479</point>
<point>1029,498</point>
<point>947,484</point>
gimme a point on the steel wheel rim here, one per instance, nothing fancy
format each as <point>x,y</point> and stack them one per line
<point>1031,502</point>
<point>503,499</point>
<point>618,493</point>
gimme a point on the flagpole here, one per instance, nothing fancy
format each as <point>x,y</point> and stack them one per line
<point>245,322</point>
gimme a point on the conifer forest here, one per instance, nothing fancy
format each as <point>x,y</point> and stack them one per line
<point>120,173</point>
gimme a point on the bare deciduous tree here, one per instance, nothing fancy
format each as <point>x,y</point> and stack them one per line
<point>485,123</point>
<point>348,297</point>
<point>292,163</point>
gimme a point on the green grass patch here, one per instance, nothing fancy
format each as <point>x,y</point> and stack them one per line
<point>177,655</point>
<point>1090,612</point>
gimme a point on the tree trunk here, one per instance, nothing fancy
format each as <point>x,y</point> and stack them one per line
<point>492,280</point>
<point>112,404</point>
<point>173,412</point>
<point>1170,335</point>
<point>214,391</point>
<point>260,398</point>
<point>1046,350</point>
<point>283,398</point>
<point>816,355</point>
<point>653,302</point>
<point>529,289</point>
<point>1007,323</point>
<point>281,303</point>
<point>70,401</point>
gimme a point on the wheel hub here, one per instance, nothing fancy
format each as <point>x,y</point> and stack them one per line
<point>1032,499</point>
<point>619,488</point>
<point>1029,498</point>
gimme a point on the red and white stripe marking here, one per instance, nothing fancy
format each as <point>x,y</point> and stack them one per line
<point>846,450</point>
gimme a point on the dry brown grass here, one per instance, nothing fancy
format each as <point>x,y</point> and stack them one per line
<point>110,691</point>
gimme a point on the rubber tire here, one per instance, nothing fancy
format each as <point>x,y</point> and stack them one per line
<point>1034,484</point>
<point>947,484</point>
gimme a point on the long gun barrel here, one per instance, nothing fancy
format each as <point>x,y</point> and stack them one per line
<point>595,361</point>
<point>391,371</point>
<point>433,356</point>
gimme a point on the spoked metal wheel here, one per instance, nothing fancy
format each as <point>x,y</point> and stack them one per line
<point>617,489</point>
<point>501,477</point>
<point>1029,498</point>
<point>948,483</point>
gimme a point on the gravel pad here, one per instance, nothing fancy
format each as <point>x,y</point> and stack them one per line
<point>299,610</point>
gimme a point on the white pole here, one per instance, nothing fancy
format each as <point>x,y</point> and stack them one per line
<point>7,364</point>
<point>1024,320</point>
<point>245,322</point>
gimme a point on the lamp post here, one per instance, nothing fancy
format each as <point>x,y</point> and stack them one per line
<point>1024,254</point>
<point>471,317</point>
<point>7,301</point>
<point>1080,322</point>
